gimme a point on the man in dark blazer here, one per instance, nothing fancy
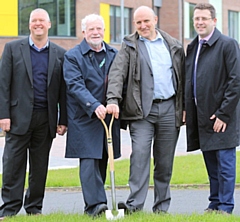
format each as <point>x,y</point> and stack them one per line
<point>86,69</point>
<point>32,91</point>
<point>212,95</point>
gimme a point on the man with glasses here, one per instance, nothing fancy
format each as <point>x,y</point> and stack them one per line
<point>211,97</point>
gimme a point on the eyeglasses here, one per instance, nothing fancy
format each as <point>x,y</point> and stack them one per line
<point>203,19</point>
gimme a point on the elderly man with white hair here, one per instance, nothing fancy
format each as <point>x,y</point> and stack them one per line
<point>86,69</point>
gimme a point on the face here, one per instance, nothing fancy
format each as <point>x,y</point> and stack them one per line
<point>145,21</point>
<point>203,23</point>
<point>39,24</point>
<point>94,34</point>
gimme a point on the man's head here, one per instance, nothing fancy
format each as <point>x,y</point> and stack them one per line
<point>204,19</point>
<point>145,21</point>
<point>93,30</point>
<point>39,23</point>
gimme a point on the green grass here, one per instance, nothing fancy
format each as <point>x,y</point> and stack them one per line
<point>188,169</point>
<point>136,217</point>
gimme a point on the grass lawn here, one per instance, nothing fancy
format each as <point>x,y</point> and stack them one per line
<point>136,217</point>
<point>188,169</point>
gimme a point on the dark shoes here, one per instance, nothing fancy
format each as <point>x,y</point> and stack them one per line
<point>158,211</point>
<point>129,209</point>
<point>98,210</point>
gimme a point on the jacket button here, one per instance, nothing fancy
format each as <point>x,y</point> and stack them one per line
<point>88,104</point>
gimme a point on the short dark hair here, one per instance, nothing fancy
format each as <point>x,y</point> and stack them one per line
<point>203,6</point>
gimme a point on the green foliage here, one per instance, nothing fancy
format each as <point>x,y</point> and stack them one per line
<point>136,217</point>
<point>189,169</point>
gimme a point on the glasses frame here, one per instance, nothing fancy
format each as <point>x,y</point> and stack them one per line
<point>203,19</point>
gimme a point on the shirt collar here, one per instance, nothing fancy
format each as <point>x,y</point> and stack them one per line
<point>207,37</point>
<point>158,36</point>
<point>31,43</point>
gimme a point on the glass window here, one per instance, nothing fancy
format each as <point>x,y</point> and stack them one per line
<point>115,23</point>
<point>61,12</point>
<point>233,25</point>
<point>192,32</point>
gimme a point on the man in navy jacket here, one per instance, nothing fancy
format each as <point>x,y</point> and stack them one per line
<point>86,69</point>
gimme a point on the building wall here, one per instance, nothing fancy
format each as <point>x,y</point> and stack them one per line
<point>172,18</point>
<point>83,8</point>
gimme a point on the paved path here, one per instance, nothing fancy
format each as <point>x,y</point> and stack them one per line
<point>184,201</point>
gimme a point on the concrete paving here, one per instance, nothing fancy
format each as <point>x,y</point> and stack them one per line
<point>67,200</point>
<point>184,201</point>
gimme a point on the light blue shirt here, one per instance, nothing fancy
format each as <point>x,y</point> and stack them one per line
<point>161,66</point>
<point>31,43</point>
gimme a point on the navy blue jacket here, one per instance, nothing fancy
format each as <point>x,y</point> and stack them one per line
<point>85,92</point>
<point>218,90</point>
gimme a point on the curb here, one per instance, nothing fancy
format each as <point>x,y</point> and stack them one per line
<point>126,187</point>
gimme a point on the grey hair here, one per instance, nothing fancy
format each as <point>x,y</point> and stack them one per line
<point>39,10</point>
<point>91,18</point>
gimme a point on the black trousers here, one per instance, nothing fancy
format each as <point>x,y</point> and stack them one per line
<point>35,146</point>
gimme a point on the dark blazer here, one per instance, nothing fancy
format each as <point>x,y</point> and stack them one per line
<point>86,86</point>
<point>218,91</point>
<point>16,86</point>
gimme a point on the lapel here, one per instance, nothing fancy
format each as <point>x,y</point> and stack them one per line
<point>51,61</point>
<point>144,52</point>
<point>25,50</point>
<point>108,60</point>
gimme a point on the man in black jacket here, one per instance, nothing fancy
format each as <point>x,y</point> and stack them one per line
<point>31,88</point>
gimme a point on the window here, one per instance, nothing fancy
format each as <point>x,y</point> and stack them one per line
<point>61,12</point>
<point>233,25</point>
<point>192,32</point>
<point>115,23</point>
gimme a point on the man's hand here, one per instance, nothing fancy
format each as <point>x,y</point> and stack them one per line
<point>61,130</point>
<point>101,112</point>
<point>219,125</point>
<point>5,124</point>
<point>113,109</point>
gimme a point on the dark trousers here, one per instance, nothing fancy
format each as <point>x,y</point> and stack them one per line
<point>221,168</point>
<point>92,178</point>
<point>36,144</point>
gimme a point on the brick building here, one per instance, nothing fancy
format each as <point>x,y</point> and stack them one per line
<point>175,17</point>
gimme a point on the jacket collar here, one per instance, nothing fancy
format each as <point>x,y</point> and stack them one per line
<point>85,48</point>
<point>131,40</point>
<point>215,36</point>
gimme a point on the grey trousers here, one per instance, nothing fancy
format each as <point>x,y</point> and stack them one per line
<point>157,128</point>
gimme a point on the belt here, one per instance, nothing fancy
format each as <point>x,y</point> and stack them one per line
<point>162,100</point>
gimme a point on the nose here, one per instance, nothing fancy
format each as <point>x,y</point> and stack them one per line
<point>143,25</point>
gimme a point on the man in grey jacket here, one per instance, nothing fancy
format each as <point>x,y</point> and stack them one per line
<point>146,82</point>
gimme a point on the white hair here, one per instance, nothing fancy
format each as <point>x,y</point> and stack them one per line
<point>91,18</point>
